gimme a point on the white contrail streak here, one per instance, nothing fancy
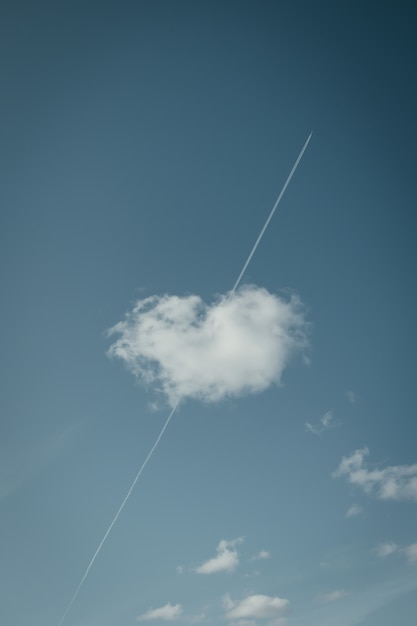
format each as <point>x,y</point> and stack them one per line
<point>270,216</point>
<point>164,427</point>
<point>121,507</point>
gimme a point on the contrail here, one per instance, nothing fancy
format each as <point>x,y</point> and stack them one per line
<point>270,216</point>
<point>121,507</point>
<point>167,421</point>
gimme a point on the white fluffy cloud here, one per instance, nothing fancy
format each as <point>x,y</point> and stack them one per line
<point>255,607</point>
<point>168,613</point>
<point>396,482</point>
<point>185,348</point>
<point>227,558</point>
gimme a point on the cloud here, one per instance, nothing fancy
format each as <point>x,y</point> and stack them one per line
<point>324,423</point>
<point>385,549</point>
<point>239,344</point>
<point>354,510</point>
<point>396,482</point>
<point>352,396</point>
<point>326,598</point>
<point>261,555</point>
<point>168,613</point>
<point>255,607</point>
<point>227,558</point>
<point>411,552</point>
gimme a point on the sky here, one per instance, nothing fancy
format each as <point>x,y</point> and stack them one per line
<point>143,147</point>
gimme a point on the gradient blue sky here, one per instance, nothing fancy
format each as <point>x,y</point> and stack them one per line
<point>143,145</point>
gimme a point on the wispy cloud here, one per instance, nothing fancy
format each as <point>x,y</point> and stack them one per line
<point>385,549</point>
<point>395,482</point>
<point>326,598</point>
<point>411,552</point>
<point>239,344</point>
<point>261,555</point>
<point>323,424</point>
<point>352,396</point>
<point>354,510</point>
<point>168,613</point>
<point>227,558</point>
<point>255,607</point>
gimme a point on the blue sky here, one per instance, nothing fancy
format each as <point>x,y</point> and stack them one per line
<point>143,146</point>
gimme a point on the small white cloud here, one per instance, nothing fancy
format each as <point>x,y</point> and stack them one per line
<point>352,396</point>
<point>385,549</point>
<point>262,554</point>
<point>239,344</point>
<point>323,424</point>
<point>169,612</point>
<point>326,598</point>
<point>411,552</point>
<point>255,607</point>
<point>227,558</point>
<point>179,569</point>
<point>354,510</point>
<point>351,463</point>
<point>389,547</point>
<point>326,419</point>
<point>396,482</point>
